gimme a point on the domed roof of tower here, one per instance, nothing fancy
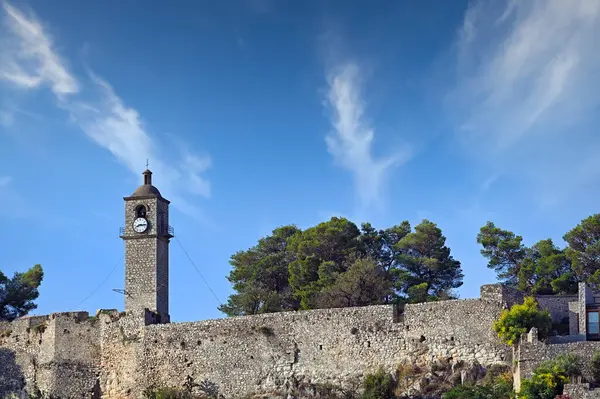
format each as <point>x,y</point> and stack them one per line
<point>146,189</point>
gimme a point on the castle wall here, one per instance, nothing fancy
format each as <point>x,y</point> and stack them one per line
<point>467,320</point>
<point>581,391</point>
<point>20,343</point>
<point>498,293</point>
<point>55,354</point>
<point>121,374</point>
<point>241,355</point>
<point>574,318</point>
<point>533,354</point>
<point>121,355</point>
<point>266,353</point>
<point>557,305</point>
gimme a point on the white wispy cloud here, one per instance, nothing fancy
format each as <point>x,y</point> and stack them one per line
<point>194,166</point>
<point>351,141</point>
<point>31,60</point>
<point>489,181</point>
<point>527,73</point>
<point>113,125</point>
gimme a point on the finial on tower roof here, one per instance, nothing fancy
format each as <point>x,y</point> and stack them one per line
<point>147,177</point>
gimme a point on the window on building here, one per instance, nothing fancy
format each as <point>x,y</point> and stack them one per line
<point>593,323</point>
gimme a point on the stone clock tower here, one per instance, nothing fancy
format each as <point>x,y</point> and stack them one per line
<point>146,235</point>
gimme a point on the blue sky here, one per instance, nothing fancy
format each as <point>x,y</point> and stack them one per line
<point>260,113</point>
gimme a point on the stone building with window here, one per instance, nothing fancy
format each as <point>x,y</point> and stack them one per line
<point>586,314</point>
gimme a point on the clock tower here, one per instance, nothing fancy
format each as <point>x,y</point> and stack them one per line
<point>146,235</point>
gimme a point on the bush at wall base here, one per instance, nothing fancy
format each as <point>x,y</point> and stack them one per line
<point>549,378</point>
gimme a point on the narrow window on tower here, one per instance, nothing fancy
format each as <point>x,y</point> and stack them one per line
<point>140,211</point>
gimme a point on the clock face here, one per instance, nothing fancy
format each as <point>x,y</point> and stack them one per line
<point>140,225</point>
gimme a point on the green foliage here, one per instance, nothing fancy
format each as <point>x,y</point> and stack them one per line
<point>595,367</point>
<point>504,250</point>
<point>497,384</point>
<point>168,393</point>
<point>546,270</point>
<point>17,294</point>
<point>584,249</point>
<point>517,321</point>
<point>425,267</point>
<point>541,269</point>
<point>379,385</point>
<point>549,378</point>
<point>322,253</point>
<point>470,392</point>
<point>336,264</point>
<point>260,276</point>
<point>362,284</point>
<point>418,293</point>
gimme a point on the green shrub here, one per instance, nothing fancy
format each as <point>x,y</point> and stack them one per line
<point>469,392</point>
<point>378,386</point>
<point>549,378</point>
<point>497,384</point>
<point>517,321</point>
<point>595,367</point>
<point>501,386</point>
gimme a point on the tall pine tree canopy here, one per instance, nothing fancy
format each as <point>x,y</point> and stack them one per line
<point>504,250</point>
<point>584,249</point>
<point>426,270</point>
<point>18,293</point>
<point>260,276</point>
<point>544,268</point>
<point>336,264</point>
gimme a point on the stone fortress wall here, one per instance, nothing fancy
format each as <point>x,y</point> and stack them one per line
<point>581,391</point>
<point>53,354</point>
<point>117,355</point>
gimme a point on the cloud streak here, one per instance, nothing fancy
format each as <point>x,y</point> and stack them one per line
<point>351,141</point>
<point>31,62</point>
<point>524,86</point>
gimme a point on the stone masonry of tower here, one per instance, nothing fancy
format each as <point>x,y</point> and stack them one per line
<point>117,355</point>
<point>147,252</point>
